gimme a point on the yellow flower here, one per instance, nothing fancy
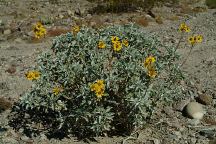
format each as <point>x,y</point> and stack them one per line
<point>57,90</point>
<point>152,72</point>
<point>99,94</point>
<point>184,28</point>
<point>95,87</point>
<point>32,75</point>
<point>187,29</point>
<point>117,46</point>
<point>98,87</point>
<point>192,40</point>
<point>199,38</point>
<point>100,83</point>
<point>125,42</point>
<point>39,30</point>
<point>40,33</point>
<point>114,39</point>
<point>75,29</point>
<point>101,45</point>
<point>38,25</point>
<point>36,75</point>
<point>92,87</point>
<point>149,61</point>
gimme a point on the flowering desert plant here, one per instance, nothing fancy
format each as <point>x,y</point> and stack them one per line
<point>96,82</point>
<point>39,30</point>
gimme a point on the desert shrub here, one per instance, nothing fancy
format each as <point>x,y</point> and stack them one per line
<point>99,82</point>
<point>127,5</point>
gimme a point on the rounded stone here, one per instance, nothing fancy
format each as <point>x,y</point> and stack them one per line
<point>205,99</point>
<point>195,110</point>
<point>7,32</point>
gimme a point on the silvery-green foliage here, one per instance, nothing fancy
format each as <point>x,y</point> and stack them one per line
<point>130,94</point>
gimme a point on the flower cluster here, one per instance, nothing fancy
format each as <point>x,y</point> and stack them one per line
<point>191,39</point>
<point>117,44</point>
<point>184,28</point>
<point>33,75</point>
<point>39,30</point>
<point>125,42</point>
<point>75,29</point>
<point>149,64</point>
<point>98,87</point>
<point>195,39</point>
<point>101,44</point>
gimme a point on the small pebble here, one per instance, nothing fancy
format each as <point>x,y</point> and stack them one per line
<point>61,16</point>
<point>69,12</point>
<point>11,70</point>
<point>26,139</point>
<point>7,32</point>
<point>205,99</point>
<point>181,105</point>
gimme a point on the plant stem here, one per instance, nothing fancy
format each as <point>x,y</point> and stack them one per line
<point>187,55</point>
<point>178,44</point>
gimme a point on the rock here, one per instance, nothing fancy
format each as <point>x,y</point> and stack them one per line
<point>210,121</point>
<point>194,110</point>
<point>18,40</point>
<point>7,32</point>
<point>179,106</point>
<point>26,139</point>
<point>149,18</point>
<point>156,141</point>
<point>5,104</point>
<point>31,34</point>
<point>205,99</point>
<point>193,122</point>
<point>11,69</point>
<point>88,16</point>
<point>61,16</point>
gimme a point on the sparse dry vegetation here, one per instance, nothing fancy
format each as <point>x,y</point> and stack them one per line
<point>116,6</point>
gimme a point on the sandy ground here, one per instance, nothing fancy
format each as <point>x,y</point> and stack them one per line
<point>18,53</point>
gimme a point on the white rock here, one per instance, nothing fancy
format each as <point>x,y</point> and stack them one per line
<point>61,16</point>
<point>195,110</point>
<point>69,12</point>
<point>18,40</point>
<point>7,32</point>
